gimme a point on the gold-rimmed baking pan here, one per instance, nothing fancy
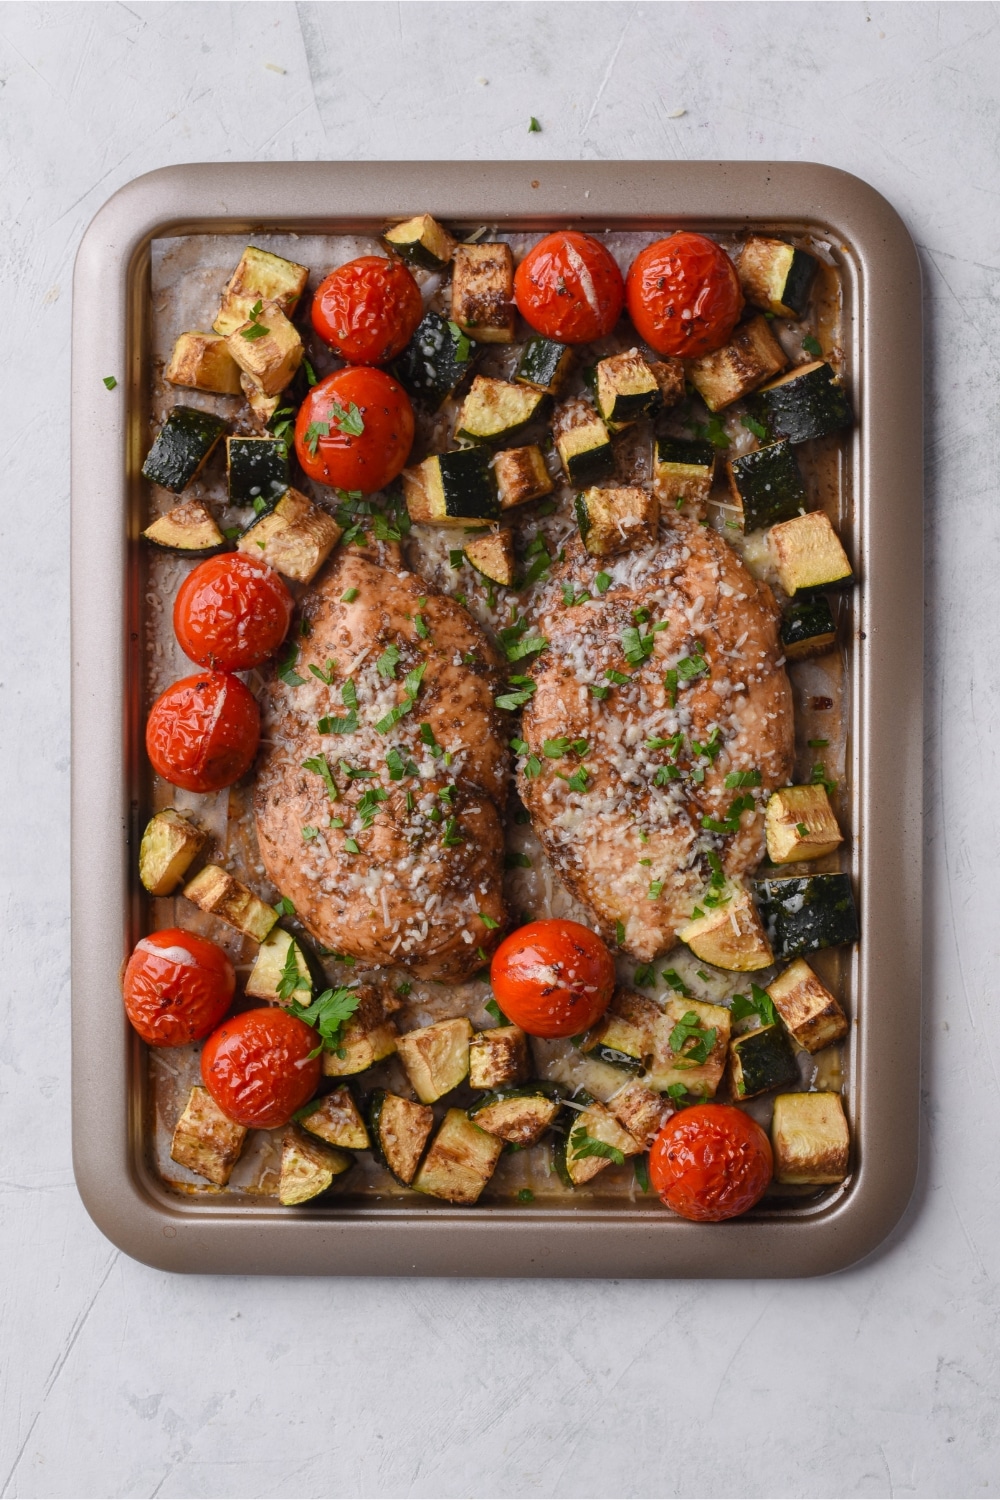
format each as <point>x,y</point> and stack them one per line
<point>558,1235</point>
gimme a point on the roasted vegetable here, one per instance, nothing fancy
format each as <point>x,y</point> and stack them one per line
<point>519,1116</point>
<point>808,556</point>
<point>452,489</point>
<point>169,846</point>
<point>436,1058</point>
<point>202,362</point>
<point>400,1131</point>
<point>308,1167</point>
<point>617,520</point>
<point>810,1139</point>
<point>187,528</point>
<point>460,1162</point>
<point>799,824</point>
<point>812,1015</point>
<point>420,242</point>
<point>752,356</point>
<point>215,891</point>
<point>182,446</point>
<point>803,914</point>
<point>205,1140</point>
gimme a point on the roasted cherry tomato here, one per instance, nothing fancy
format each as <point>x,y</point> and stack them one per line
<point>368,310</point>
<point>257,1067</point>
<point>354,430</point>
<point>569,288</point>
<point>177,987</point>
<point>203,732</point>
<point>232,612</point>
<point>684,295</point>
<point>553,978</point>
<point>711,1162</point>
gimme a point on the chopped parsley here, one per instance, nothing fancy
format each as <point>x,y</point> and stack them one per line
<point>602,582</point>
<point>561,746</point>
<point>309,833</point>
<point>655,889</point>
<point>670,683</point>
<point>692,1040</point>
<point>812,346</point>
<point>582,1144</point>
<point>523,688</point>
<point>421,627</point>
<point>619,932</point>
<point>256,329</point>
<point>348,596</point>
<point>351,846</point>
<point>411,688</point>
<point>533,126</point>
<point>320,765</point>
<point>641,1174</point>
<point>759,1004</point>
<point>818,744</point>
<point>496,1013</point>
<point>820,778</point>
<point>463,345</point>
<point>637,647</point>
<point>802,830</point>
<point>284,907</point>
<point>325,674</point>
<point>348,723</point>
<point>571,597</point>
<point>515,860</point>
<point>398,767</point>
<point>711,431</point>
<point>644,976</point>
<point>690,667</point>
<point>490,923</point>
<point>525,1195</point>
<point>743,778</point>
<point>752,425</point>
<point>110,382</point>
<point>731,822</point>
<point>385,666</point>
<point>676,983</point>
<point>451,834</point>
<point>286,667</point>
<point>329,1013</point>
<point>292,977</point>
<point>368,804</point>
<point>310,372</point>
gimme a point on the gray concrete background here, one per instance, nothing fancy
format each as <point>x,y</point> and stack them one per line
<point>117,1380</point>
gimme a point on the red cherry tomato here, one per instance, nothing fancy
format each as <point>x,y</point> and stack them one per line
<point>711,1162</point>
<point>684,295</point>
<point>203,732</point>
<point>257,1066</point>
<point>177,987</point>
<point>368,310</point>
<point>232,612</point>
<point>569,287</point>
<point>553,978</point>
<point>365,461</point>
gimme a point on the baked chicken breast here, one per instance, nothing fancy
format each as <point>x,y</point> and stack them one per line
<point>660,723</point>
<point>384,767</point>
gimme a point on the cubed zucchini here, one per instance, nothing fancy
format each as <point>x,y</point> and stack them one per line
<point>284,971</point>
<point>256,471</point>
<point>482,292</point>
<point>808,628</point>
<point>799,824</point>
<point>421,242</point>
<point>682,471</point>
<point>271,357</point>
<point>498,1057</point>
<point>813,1016</point>
<point>519,1116</point>
<point>521,475</point>
<point>767,485</point>
<point>295,538</point>
<point>495,411</point>
<point>461,1161</point>
<point>182,447</point>
<point>761,1060</point>
<point>806,402</point>
<point>730,936</point>
<point>544,364</point>
<point>576,1160</point>
<point>690,1047</point>
<point>308,1167</point>
<point>775,276</point>
<point>259,277</point>
<point>169,846</point>
<point>217,892</point>
<point>202,362</point>
<point>804,913</point>
<point>369,1037</point>
<point>626,389</point>
<point>640,1110</point>
<point>625,1034</point>
<point>808,556</point>
<point>187,528</point>
<point>205,1140</point>
<point>337,1120</point>
<point>752,356</point>
<point>262,407</point>
<point>429,368</point>
<point>582,443</point>
<point>493,556</point>
<point>810,1139</point>
<point>671,380</point>
<point>617,520</point>
<point>453,489</point>
<point>400,1131</point>
<point>436,1058</point>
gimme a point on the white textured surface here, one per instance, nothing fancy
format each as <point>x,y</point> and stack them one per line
<point>117,1380</point>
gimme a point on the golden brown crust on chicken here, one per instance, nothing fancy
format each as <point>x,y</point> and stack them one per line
<point>413,862</point>
<point>622,822</point>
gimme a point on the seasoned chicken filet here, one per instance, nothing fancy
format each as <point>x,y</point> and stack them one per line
<point>384,766</point>
<point>660,723</point>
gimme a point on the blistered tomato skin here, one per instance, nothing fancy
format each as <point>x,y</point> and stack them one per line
<point>177,987</point>
<point>553,978</point>
<point>569,288</point>
<point>202,733</point>
<point>257,1067</point>
<point>684,295</point>
<point>711,1162</point>
<point>365,461</point>
<point>232,612</point>
<point>367,310</point>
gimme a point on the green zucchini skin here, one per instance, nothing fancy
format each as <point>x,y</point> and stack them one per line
<point>540,1090</point>
<point>802,914</point>
<point>429,368</point>
<point>544,364</point>
<point>798,282</point>
<point>763,1060</point>
<point>616,1059</point>
<point>808,627</point>
<point>809,405</point>
<point>257,471</point>
<point>468,484</point>
<point>768,485</point>
<point>182,445</point>
<point>672,450</point>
